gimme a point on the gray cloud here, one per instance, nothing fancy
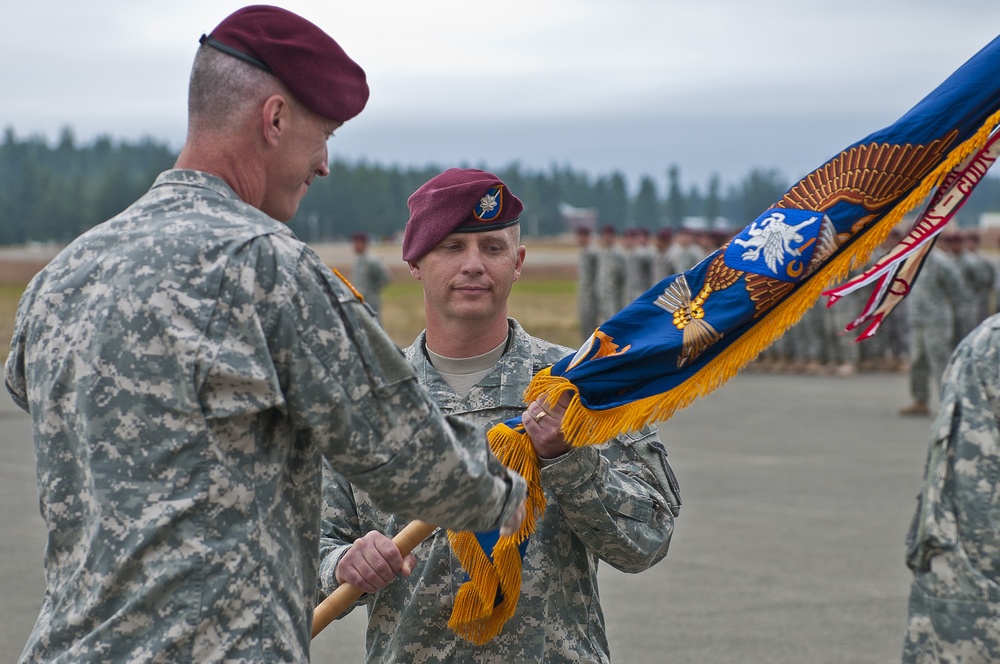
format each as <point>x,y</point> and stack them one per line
<point>718,85</point>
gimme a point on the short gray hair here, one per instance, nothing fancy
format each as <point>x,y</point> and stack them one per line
<point>515,234</point>
<point>223,89</point>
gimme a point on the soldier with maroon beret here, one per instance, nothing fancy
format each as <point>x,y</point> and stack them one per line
<point>462,242</point>
<point>663,265</point>
<point>586,283</point>
<point>369,276</point>
<point>441,206</point>
<point>610,279</point>
<point>189,363</point>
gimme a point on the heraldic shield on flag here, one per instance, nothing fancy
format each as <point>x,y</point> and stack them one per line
<point>778,244</point>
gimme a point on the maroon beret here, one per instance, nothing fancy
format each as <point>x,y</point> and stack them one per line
<point>303,57</point>
<point>460,200</point>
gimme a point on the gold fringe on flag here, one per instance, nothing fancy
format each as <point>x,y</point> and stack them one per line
<point>474,616</point>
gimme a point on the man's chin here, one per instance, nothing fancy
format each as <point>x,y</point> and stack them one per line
<point>472,314</point>
<point>283,214</point>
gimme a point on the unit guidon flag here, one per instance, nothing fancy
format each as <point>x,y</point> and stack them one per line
<point>691,332</point>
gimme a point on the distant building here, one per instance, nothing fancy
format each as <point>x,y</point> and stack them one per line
<point>702,224</point>
<point>989,220</point>
<point>576,217</point>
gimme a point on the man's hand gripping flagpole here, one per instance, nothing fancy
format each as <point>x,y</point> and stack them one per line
<point>415,532</point>
<point>544,427</point>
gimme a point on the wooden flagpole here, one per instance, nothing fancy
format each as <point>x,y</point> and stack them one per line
<point>341,599</point>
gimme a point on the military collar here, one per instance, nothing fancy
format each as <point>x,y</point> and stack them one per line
<point>193,178</point>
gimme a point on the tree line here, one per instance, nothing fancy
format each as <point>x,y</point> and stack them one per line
<point>54,192</point>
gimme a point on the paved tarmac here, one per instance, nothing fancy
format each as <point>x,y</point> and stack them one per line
<point>798,491</point>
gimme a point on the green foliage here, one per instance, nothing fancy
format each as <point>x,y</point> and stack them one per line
<point>55,192</point>
<point>546,287</point>
<point>676,206</point>
<point>647,205</point>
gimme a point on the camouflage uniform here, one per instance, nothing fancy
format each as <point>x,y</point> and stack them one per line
<point>186,365</point>
<point>610,282</point>
<point>638,272</point>
<point>617,505</point>
<point>896,331</point>
<point>810,337</point>
<point>685,258</point>
<point>663,266</point>
<point>954,544</point>
<point>587,292</point>
<point>370,277</point>
<point>979,276</point>
<point>931,306</point>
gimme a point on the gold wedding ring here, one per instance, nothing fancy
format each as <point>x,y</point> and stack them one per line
<point>539,415</point>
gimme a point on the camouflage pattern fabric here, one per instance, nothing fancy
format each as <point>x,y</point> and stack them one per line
<point>931,306</point>
<point>587,292</point>
<point>638,272</point>
<point>616,504</point>
<point>663,267</point>
<point>896,331</point>
<point>979,277</point>
<point>185,365</point>
<point>954,543</point>
<point>685,258</point>
<point>610,282</point>
<point>370,277</point>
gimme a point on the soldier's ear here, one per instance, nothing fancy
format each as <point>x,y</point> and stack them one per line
<point>414,269</point>
<point>274,117</point>
<point>519,262</point>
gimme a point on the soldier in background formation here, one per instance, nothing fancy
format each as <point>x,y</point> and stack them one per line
<point>967,309</point>
<point>586,294</point>
<point>815,346</point>
<point>369,276</point>
<point>980,275</point>
<point>663,264</point>
<point>685,251</point>
<point>611,276</point>
<point>935,302</point>
<point>639,258</point>
<point>610,282</point>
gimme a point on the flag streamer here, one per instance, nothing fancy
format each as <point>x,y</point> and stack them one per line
<point>895,272</point>
<point>692,332</point>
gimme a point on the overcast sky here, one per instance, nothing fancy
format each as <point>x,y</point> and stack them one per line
<point>599,85</point>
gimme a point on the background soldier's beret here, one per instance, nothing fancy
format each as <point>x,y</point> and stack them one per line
<point>460,200</point>
<point>303,57</point>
